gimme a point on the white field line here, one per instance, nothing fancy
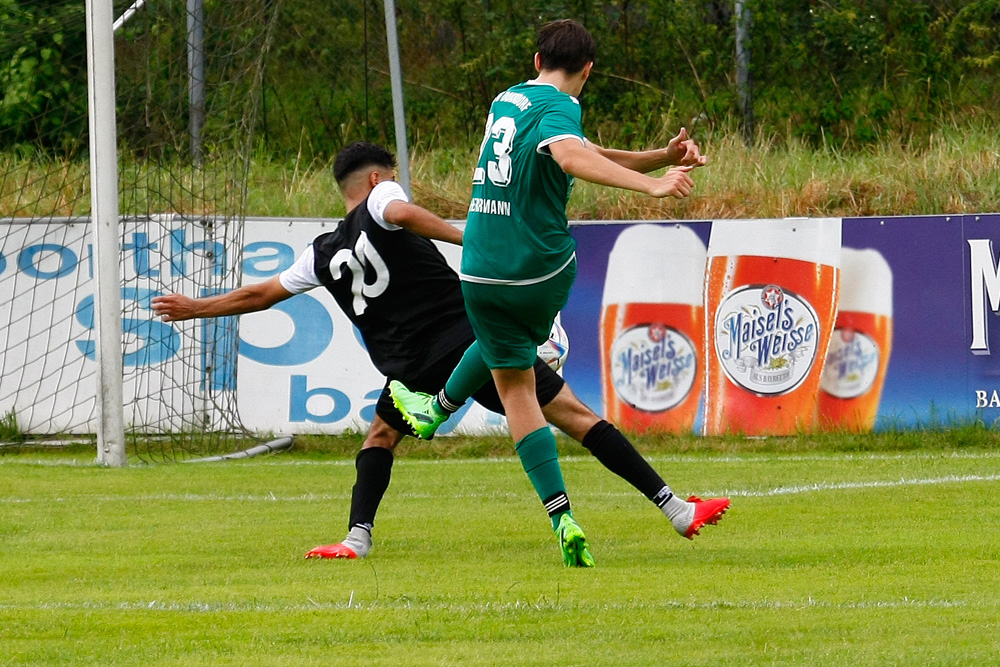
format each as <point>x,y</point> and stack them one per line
<point>67,463</point>
<point>495,607</point>
<point>848,486</point>
<point>326,497</point>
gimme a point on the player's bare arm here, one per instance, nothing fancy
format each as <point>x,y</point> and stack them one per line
<point>422,222</point>
<point>246,299</point>
<point>579,161</point>
<point>681,151</point>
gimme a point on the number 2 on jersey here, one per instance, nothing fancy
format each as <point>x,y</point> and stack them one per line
<point>502,130</point>
<point>364,255</point>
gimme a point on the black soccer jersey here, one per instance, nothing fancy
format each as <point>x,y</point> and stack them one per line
<point>395,287</point>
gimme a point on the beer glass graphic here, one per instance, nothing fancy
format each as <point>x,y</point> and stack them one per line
<point>770,303</point>
<point>652,324</point>
<point>858,357</point>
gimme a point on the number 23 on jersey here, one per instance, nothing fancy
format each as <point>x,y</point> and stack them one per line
<point>499,139</point>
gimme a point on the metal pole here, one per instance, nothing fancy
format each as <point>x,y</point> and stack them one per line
<point>196,74</point>
<point>396,79</point>
<point>743,81</point>
<point>129,13</point>
<point>104,218</point>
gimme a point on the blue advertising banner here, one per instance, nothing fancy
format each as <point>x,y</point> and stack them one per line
<point>932,295</point>
<point>758,326</point>
<point>982,327</point>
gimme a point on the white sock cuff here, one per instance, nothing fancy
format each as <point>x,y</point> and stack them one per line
<point>446,403</point>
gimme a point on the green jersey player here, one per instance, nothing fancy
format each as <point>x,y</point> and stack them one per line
<point>518,261</point>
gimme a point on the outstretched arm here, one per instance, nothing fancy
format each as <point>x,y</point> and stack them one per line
<point>422,222</point>
<point>246,299</point>
<point>577,160</point>
<point>681,151</point>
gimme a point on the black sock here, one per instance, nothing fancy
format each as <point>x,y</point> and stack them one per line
<point>618,455</point>
<point>447,403</point>
<point>374,466</point>
<point>555,506</point>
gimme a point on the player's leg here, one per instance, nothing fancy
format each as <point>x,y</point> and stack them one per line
<point>536,448</point>
<point>568,413</point>
<point>374,470</point>
<point>469,376</point>
<point>534,442</point>
<point>510,322</point>
<point>424,412</point>
<point>535,456</point>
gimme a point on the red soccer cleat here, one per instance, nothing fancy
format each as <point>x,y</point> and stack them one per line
<point>333,551</point>
<point>706,512</point>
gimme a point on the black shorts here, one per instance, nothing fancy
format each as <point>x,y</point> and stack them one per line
<point>548,383</point>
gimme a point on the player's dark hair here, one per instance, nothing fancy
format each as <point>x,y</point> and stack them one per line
<point>359,155</point>
<point>565,45</point>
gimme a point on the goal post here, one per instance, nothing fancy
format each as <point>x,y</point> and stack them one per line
<point>396,81</point>
<point>104,225</point>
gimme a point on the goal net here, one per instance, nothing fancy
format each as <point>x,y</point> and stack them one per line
<point>188,80</point>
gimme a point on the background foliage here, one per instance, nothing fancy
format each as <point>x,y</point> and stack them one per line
<point>43,75</point>
<point>843,72</point>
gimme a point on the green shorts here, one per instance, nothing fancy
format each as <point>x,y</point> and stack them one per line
<point>511,321</point>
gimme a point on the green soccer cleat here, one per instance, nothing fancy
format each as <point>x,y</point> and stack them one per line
<point>573,543</point>
<point>417,409</point>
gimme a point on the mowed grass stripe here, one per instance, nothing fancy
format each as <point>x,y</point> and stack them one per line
<point>326,497</point>
<point>283,460</point>
<point>661,605</point>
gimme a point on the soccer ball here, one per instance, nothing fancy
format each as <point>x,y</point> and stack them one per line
<point>555,350</point>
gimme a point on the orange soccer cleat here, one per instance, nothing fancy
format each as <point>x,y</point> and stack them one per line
<point>339,550</point>
<point>706,512</point>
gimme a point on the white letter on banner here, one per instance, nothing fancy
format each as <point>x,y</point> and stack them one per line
<point>985,274</point>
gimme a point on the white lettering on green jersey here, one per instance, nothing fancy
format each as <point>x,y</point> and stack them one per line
<point>490,206</point>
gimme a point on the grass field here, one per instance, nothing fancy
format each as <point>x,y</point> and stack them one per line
<point>826,557</point>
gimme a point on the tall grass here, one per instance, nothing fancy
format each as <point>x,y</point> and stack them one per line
<point>38,186</point>
<point>10,431</point>
<point>956,170</point>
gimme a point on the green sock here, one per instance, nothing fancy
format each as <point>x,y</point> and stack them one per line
<point>540,460</point>
<point>470,374</point>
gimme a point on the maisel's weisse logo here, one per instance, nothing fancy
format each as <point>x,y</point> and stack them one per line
<point>851,364</point>
<point>653,367</point>
<point>766,338</point>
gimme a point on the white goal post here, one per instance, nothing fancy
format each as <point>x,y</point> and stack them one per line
<point>104,223</point>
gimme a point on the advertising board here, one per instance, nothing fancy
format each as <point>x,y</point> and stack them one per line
<point>909,341</point>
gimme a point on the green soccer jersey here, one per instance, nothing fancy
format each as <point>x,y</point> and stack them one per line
<point>517,230</point>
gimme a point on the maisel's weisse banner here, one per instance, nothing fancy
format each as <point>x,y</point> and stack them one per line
<point>788,326</point>
<point>756,327</point>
